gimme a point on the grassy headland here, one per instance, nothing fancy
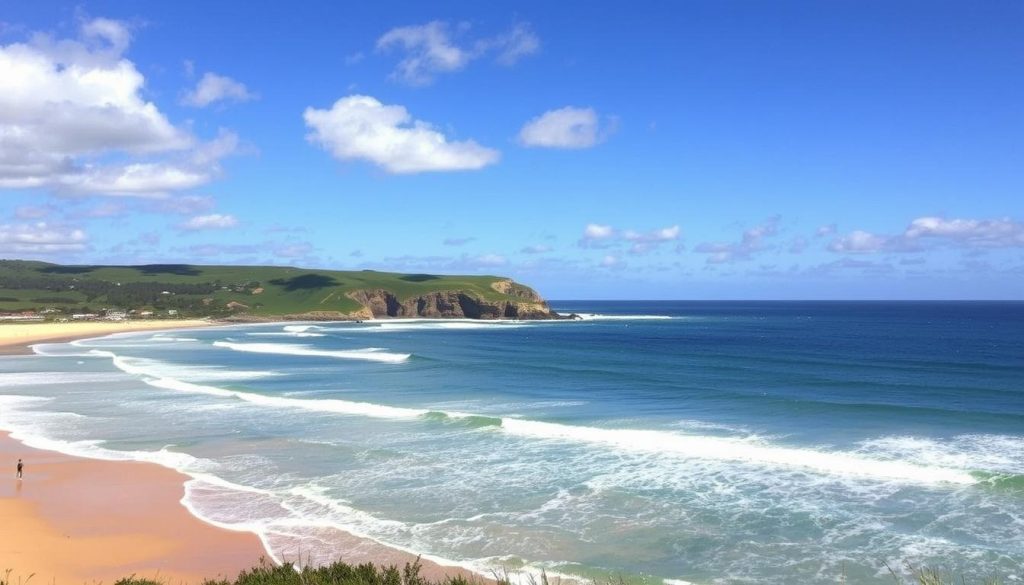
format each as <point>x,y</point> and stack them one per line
<point>257,292</point>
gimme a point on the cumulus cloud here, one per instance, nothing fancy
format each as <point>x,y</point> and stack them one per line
<point>751,242</point>
<point>216,88</point>
<point>566,127</point>
<point>213,221</point>
<point>430,49</point>
<point>41,238</point>
<point>67,106</point>
<point>359,127</point>
<point>933,231</point>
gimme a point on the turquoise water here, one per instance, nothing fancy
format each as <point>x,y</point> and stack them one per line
<point>699,442</point>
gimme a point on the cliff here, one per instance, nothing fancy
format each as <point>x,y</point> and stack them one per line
<point>455,304</point>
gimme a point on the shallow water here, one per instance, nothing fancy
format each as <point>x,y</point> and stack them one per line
<point>703,442</point>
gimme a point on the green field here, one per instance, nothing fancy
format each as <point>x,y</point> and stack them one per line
<point>194,290</point>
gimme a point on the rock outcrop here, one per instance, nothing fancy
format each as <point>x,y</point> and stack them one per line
<point>456,304</point>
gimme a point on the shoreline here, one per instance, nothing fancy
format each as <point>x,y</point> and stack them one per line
<point>138,522</point>
<point>18,338</point>
<point>75,520</point>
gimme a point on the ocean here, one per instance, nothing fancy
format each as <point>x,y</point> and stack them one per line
<point>675,442</point>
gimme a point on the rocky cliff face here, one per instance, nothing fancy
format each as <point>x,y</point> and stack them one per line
<point>455,304</point>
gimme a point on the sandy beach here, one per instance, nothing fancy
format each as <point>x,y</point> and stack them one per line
<point>76,520</point>
<point>15,338</point>
<point>72,521</point>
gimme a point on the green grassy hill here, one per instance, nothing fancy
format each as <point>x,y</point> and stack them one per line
<point>252,291</point>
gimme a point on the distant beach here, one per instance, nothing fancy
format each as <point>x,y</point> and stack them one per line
<point>16,338</point>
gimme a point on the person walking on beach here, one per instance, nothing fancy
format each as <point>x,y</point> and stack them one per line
<point>21,467</point>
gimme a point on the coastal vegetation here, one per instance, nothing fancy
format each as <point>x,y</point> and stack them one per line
<point>256,292</point>
<point>341,573</point>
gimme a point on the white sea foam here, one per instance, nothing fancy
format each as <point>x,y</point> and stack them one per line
<point>285,334</point>
<point>746,451</point>
<point>603,317</point>
<point>17,379</point>
<point>300,328</point>
<point>13,417</point>
<point>187,372</point>
<point>156,376</point>
<point>373,354</point>
<point>662,443</point>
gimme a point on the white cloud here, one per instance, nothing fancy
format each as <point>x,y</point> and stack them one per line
<point>515,44</point>
<point>429,49</point>
<point>214,88</point>
<point>605,236</point>
<point>595,231</point>
<point>936,231</point>
<point>41,238</point>
<point>611,261</point>
<point>134,180</point>
<point>213,221</point>
<point>663,235</point>
<point>566,127</point>
<point>67,106</point>
<point>359,127</point>
<point>859,242</point>
<point>645,242</point>
<point>751,242</point>
<point>1000,232</point>
<point>825,230</point>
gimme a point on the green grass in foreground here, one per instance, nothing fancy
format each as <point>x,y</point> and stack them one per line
<point>340,573</point>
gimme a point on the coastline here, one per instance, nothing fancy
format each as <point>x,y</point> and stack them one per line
<point>73,520</point>
<point>17,338</point>
<point>81,520</point>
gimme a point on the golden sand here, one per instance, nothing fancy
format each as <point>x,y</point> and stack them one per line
<point>16,337</point>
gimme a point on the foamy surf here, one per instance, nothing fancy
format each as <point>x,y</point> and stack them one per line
<point>158,379</point>
<point>372,354</point>
<point>739,450</point>
<point>603,317</point>
<point>656,442</point>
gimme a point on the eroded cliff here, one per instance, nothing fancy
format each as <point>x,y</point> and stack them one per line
<point>526,304</point>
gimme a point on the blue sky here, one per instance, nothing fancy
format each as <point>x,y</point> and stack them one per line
<point>719,150</point>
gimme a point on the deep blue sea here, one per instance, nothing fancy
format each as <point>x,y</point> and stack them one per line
<point>684,442</point>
